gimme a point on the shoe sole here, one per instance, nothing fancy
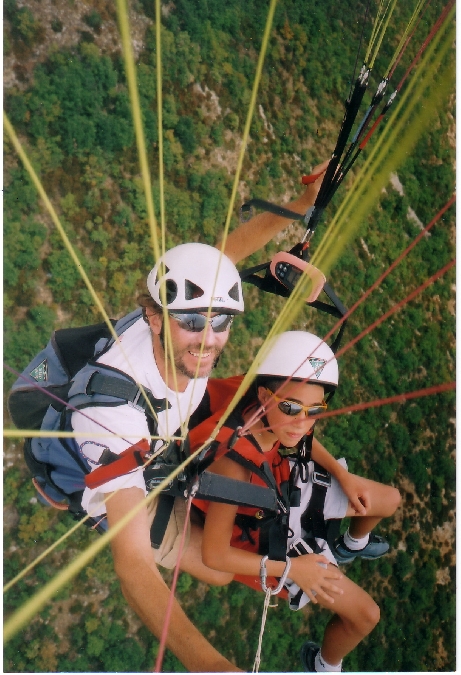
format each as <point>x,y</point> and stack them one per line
<point>306,647</point>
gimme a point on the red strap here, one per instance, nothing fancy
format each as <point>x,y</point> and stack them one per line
<point>128,460</point>
<point>306,180</point>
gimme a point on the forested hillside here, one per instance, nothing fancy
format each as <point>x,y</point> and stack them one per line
<point>67,98</point>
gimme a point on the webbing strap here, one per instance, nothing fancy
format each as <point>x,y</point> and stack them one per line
<point>262,472</point>
<point>162,516</point>
<point>313,520</point>
<point>216,488</point>
<point>272,208</point>
<point>125,390</point>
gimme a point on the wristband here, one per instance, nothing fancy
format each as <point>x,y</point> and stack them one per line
<point>263,576</point>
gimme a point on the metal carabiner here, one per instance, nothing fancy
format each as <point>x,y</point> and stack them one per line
<point>263,576</point>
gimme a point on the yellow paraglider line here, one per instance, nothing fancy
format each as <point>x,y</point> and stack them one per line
<point>33,606</point>
<point>354,207</point>
<point>38,433</point>
<point>243,145</point>
<point>29,609</point>
<point>135,101</point>
<point>70,249</point>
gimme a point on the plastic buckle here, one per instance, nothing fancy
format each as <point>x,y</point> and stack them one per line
<point>299,547</point>
<point>134,403</point>
<point>323,479</point>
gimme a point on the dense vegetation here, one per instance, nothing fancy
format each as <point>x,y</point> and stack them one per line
<point>70,107</point>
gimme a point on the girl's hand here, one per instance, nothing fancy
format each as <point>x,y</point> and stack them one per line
<point>313,573</point>
<point>357,491</point>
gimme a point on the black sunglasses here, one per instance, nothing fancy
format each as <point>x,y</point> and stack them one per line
<point>195,322</point>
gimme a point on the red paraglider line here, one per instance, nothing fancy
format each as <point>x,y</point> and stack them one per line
<point>169,608</point>
<point>398,398</point>
<point>257,416</point>
<point>396,307</point>
<point>391,267</point>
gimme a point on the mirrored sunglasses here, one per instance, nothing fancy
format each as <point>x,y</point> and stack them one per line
<point>195,323</point>
<point>293,408</point>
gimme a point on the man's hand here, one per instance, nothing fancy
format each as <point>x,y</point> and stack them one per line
<point>312,190</point>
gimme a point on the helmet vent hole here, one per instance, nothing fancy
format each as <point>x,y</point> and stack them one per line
<point>192,290</point>
<point>234,292</point>
<point>171,291</point>
<point>163,269</point>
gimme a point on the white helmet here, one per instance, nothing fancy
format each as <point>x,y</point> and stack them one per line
<point>197,277</point>
<point>301,356</point>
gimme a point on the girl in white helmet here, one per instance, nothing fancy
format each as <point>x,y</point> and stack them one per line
<point>293,381</point>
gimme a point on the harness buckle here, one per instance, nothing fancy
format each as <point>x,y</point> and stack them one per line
<point>323,479</point>
<point>134,403</point>
<point>299,547</point>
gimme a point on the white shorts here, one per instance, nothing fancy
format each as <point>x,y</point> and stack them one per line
<point>167,554</point>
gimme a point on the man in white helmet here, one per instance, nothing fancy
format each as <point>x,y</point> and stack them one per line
<point>201,291</point>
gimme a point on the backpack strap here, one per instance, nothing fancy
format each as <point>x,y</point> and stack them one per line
<point>100,385</point>
<point>116,387</point>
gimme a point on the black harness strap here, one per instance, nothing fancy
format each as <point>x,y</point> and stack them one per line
<point>128,391</point>
<point>312,520</point>
<point>262,472</point>
<point>246,209</point>
<point>162,516</point>
<point>216,488</point>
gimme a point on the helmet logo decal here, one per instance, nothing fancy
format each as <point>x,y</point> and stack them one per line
<point>318,365</point>
<point>40,373</point>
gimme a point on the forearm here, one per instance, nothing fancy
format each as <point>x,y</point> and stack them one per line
<point>258,231</point>
<point>148,595</point>
<point>311,572</point>
<point>239,561</point>
<point>145,590</point>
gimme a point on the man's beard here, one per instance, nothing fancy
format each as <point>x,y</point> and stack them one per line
<point>182,368</point>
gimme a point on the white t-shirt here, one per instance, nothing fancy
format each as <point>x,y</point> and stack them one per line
<point>136,358</point>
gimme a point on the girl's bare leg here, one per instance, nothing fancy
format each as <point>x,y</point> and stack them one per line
<point>384,500</point>
<point>356,614</point>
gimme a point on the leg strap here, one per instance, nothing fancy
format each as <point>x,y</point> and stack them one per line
<point>161,519</point>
